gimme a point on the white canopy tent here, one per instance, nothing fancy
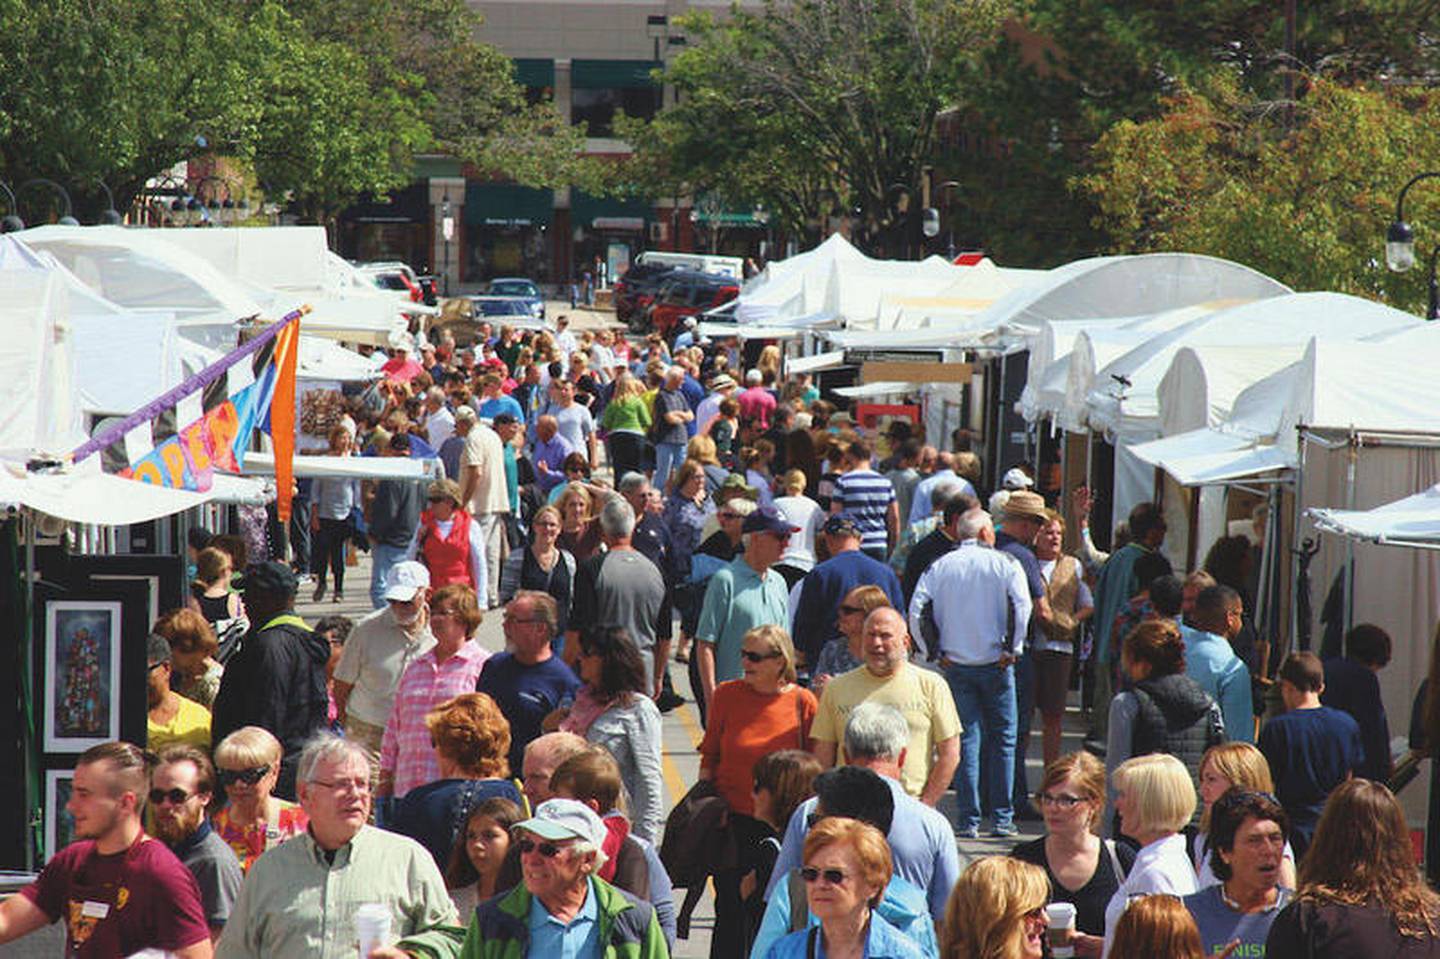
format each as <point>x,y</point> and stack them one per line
<point>1413,521</point>
<point>795,286</point>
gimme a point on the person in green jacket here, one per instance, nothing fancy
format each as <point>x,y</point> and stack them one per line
<point>562,906</point>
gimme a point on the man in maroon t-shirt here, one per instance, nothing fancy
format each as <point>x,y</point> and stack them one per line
<point>118,890</point>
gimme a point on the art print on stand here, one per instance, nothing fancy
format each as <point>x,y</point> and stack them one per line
<point>81,674</point>
<point>59,823</point>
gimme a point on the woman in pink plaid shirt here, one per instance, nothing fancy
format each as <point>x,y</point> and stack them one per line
<point>452,667</point>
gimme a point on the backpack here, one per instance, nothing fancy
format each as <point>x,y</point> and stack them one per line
<point>698,844</point>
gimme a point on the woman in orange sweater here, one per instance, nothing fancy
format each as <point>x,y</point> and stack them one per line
<point>749,718</point>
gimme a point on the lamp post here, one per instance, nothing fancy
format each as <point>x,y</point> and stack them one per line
<point>67,218</point>
<point>1400,244</point>
<point>447,230</point>
<point>12,222</point>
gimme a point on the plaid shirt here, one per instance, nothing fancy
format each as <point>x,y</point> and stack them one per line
<point>405,749</point>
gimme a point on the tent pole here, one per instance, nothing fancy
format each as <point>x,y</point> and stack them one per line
<point>27,711</point>
<point>1352,456</point>
<point>1295,559</point>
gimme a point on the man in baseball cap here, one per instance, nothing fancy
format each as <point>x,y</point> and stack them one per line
<point>823,591</point>
<point>375,655</point>
<point>741,596</point>
<point>276,679</point>
<point>1016,478</point>
<point>562,906</point>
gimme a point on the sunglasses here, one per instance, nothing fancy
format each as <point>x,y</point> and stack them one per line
<point>835,877</point>
<point>547,849</point>
<point>847,610</point>
<point>754,657</point>
<point>251,776</point>
<point>176,796</point>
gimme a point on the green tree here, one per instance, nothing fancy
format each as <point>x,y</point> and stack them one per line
<point>814,105</point>
<point>1220,174</point>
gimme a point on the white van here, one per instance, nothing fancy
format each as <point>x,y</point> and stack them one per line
<point>701,262</point>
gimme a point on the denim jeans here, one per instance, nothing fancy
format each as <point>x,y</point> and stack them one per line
<point>985,700</point>
<point>667,457</point>
<point>1024,712</point>
<point>382,557</point>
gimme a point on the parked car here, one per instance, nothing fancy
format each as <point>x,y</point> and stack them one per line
<point>394,277</point>
<point>498,310</point>
<point>635,290</point>
<point>527,290</point>
<point>500,307</point>
<point>688,294</point>
<point>732,266</point>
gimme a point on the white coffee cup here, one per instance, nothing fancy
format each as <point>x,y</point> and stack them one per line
<point>1060,929</point>
<point>372,927</point>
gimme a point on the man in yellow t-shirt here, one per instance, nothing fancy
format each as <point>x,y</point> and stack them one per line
<point>888,677</point>
<point>173,718</point>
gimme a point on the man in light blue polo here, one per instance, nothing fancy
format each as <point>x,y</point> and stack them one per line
<point>741,596</point>
<point>1210,660</point>
<point>562,908</point>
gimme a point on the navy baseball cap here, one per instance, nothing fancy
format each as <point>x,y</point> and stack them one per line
<point>767,519</point>
<point>842,524</point>
<point>271,577</point>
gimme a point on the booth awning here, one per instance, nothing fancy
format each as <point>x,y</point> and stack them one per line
<point>601,212</point>
<point>346,467</point>
<point>1201,457</point>
<point>1412,521</point>
<point>508,204</point>
<point>831,360</point>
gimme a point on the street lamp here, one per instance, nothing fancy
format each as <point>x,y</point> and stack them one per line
<point>447,230</point>
<point>12,222</point>
<point>66,218</point>
<point>1400,238</point>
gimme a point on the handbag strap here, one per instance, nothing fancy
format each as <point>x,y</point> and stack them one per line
<point>812,942</point>
<point>1115,860</point>
<point>799,719</point>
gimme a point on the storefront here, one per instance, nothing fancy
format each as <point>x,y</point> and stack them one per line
<point>614,230</point>
<point>507,232</point>
<point>390,228</point>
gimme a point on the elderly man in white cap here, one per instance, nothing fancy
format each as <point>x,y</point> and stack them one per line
<point>563,907</point>
<point>379,648</point>
<point>722,387</point>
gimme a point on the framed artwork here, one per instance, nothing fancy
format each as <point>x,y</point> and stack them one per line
<point>163,576</point>
<point>59,824</point>
<point>81,674</point>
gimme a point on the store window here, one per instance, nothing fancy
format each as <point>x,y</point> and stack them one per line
<point>597,108</point>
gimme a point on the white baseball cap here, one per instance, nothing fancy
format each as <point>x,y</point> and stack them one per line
<point>405,580</point>
<point>1015,478</point>
<point>559,819</point>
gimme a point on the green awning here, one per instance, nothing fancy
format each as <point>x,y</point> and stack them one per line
<point>610,74</point>
<point>507,204</point>
<point>586,209</point>
<point>727,219</point>
<point>535,73</point>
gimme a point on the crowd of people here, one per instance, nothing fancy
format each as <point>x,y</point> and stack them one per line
<point>863,635</point>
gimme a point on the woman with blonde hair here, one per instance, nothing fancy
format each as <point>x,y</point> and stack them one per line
<point>579,528</point>
<point>472,746</point>
<point>1155,798</point>
<point>847,867</point>
<point>1224,766</point>
<point>211,592</point>
<point>1156,926</point>
<point>626,420</point>
<point>702,450</point>
<point>764,711</point>
<point>1361,893</point>
<point>996,911</point>
<point>542,565</point>
<point>806,515</point>
<point>247,765</point>
<point>1083,869</point>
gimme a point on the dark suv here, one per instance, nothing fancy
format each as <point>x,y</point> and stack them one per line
<point>686,293</point>
<point>634,291</point>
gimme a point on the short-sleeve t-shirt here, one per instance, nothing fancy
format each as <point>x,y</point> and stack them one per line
<point>866,495</point>
<point>575,422</point>
<point>1221,925</point>
<point>526,695</point>
<point>1090,899</point>
<point>670,401</point>
<point>920,695</point>
<point>190,726</point>
<point>118,904</point>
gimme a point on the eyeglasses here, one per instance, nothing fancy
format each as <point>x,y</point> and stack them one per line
<point>835,877</point>
<point>154,666</point>
<point>358,786</point>
<point>726,515</point>
<point>1059,800</point>
<point>754,657</point>
<point>848,610</point>
<point>1037,916</point>
<point>438,499</point>
<point>251,776</point>
<point>176,796</point>
<point>547,849</point>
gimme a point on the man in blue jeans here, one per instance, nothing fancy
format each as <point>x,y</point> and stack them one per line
<point>672,414</point>
<point>964,606</point>
<point>392,513</point>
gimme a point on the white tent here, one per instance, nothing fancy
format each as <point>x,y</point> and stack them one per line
<point>1412,521</point>
<point>971,289</point>
<point>284,266</point>
<point>795,286</point>
<point>139,270</point>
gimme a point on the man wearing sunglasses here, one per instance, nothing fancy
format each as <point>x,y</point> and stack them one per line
<point>562,907</point>
<point>181,786</point>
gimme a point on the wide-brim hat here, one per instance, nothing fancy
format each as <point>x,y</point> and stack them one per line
<point>1026,504</point>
